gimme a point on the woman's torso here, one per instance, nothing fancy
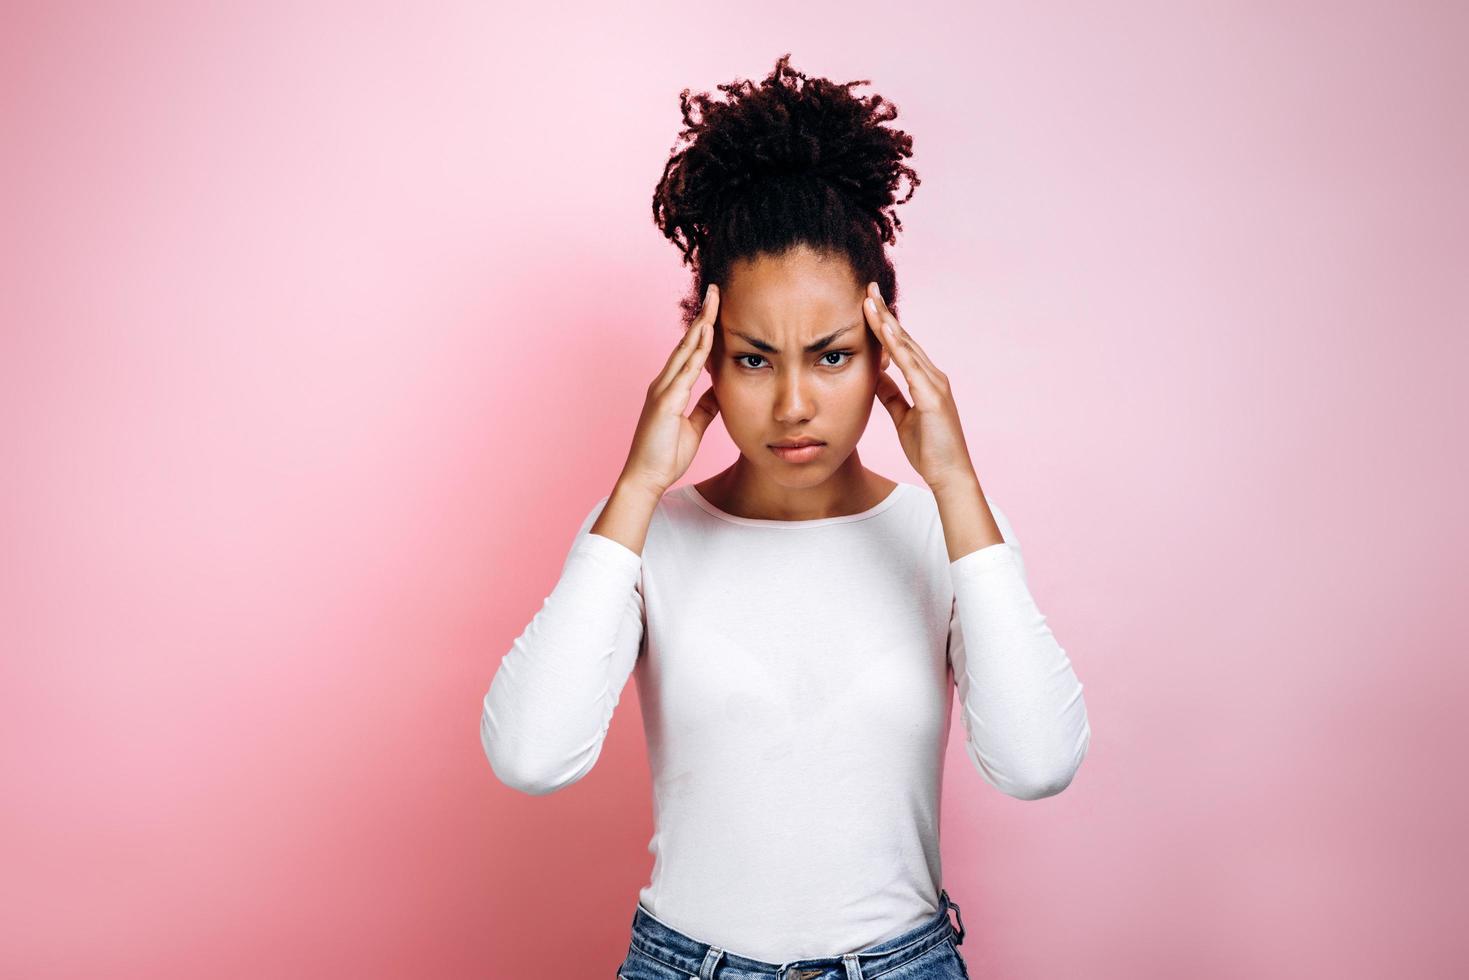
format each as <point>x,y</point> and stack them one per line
<point>796,701</point>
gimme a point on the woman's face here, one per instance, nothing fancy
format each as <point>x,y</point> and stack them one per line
<point>770,386</point>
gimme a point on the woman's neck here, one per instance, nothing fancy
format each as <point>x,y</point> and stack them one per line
<point>742,490</point>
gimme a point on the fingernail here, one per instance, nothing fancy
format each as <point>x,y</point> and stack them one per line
<point>870,304</point>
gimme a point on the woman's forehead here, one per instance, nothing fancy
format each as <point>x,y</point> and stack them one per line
<point>796,302</point>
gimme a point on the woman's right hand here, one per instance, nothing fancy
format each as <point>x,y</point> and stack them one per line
<point>665,441</point>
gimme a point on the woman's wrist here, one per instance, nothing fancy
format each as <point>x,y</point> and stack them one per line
<point>628,513</point>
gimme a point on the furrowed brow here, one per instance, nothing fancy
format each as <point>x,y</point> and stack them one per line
<point>811,348</point>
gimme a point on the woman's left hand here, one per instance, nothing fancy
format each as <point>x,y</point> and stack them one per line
<point>929,429</point>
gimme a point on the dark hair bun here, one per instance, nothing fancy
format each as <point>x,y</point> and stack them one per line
<point>789,127</point>
<point>790,159</point>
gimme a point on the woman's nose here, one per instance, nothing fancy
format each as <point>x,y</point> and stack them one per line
<point>792,400</point>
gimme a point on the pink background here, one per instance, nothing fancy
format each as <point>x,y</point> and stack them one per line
<point>323,327</point>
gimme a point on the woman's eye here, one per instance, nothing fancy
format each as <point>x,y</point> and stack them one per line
<point>742,359</point>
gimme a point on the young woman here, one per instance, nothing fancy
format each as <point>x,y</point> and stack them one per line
<point>797,624</point>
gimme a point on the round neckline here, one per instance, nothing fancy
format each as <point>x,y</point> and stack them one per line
<point>692,493</point>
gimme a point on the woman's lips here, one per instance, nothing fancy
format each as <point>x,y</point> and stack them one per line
<point>798,454</point>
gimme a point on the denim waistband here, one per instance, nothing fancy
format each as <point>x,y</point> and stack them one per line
<point>705,961</point>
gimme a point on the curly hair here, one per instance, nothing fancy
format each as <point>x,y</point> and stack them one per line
<point>790,161</point>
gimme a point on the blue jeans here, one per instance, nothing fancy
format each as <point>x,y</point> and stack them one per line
<point>927,952</point>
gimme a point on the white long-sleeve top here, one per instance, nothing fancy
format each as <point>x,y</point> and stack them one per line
<point>796,681</point>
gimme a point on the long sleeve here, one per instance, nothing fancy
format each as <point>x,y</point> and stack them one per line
<point>550,703</point>
<point>1022,705</point>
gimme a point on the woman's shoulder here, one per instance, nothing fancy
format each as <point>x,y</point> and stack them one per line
<point>668,505</point>
<point>673,511</point>
<point>923,496</point>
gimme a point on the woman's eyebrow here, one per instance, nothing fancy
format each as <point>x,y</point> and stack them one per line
<point>811,348</point>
